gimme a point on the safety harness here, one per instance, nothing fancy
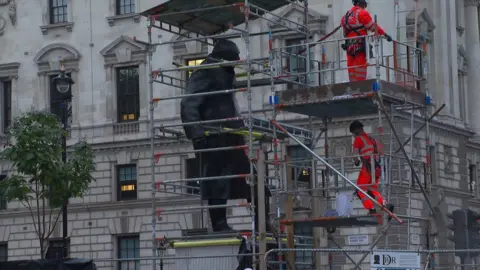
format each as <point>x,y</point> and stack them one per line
<point>354,45</point>
<point>366,162</point>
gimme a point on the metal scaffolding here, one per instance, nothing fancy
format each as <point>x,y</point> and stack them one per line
<point>312,91</point>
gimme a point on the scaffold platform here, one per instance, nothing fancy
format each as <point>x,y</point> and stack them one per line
<point>203,16</point>
<point>259,125</point>
<point>347,99</point>
<point>336,222</point>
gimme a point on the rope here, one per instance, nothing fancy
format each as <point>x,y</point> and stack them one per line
<point>321,39</point>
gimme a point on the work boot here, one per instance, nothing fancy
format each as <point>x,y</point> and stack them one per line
<point>390,208</point>
<point>218,217</point>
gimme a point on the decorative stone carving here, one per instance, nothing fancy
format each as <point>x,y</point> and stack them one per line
<point>135,16</point>
<point>48,57</point>
<point>341,146</point>
<point>12,13</point>
<point>462,59</point>
<point>123,50</point>
<point>317,22</point>
<point>3,23</point>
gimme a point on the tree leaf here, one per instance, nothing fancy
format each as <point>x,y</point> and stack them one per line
<point>37,160</point>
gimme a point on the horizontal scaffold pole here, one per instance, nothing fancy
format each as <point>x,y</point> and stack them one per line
<point>161,211</point>
<point>159,155</point>
<point>201,94</point>
<point>197,67</point>
<point>201,179</point>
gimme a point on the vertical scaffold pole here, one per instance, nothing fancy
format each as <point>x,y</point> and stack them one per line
<point>276,163</point>
<point>377,88</point>
<point>152,138</point>
<point>428,160</point>
<point>411,182</point>
<point>251,157</point>
<point>307,46</point>
<point>261,210</point>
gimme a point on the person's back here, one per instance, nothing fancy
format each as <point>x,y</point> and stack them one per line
<point>356,23</point>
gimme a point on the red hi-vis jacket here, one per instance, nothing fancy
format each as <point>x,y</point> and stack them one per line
<point>357,22</point>
<point>367,146</point>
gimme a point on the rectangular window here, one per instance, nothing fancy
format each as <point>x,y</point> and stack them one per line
<point>472,178</point>
<point>3,201</point>
<point>128,94</point>
<point>297,63</point>
<point>58,101</point>
<point>462,96</point>
<point>127,182</point>
<point>58,11</point>
<point>301,165</point>
<point>6,105</point>
<point>193,171</point>
<point>193,62</point>
<point>56,249</point>
<point>125,7</point>
<point>3,252</point>
<point>129,248</point>
<point>305,242</point>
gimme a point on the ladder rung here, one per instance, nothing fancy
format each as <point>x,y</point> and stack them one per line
<point>405,11</point>
<point>405,26</point>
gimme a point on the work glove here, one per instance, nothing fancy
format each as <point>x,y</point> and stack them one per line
<point>356,162</point>
<point>388,37</point>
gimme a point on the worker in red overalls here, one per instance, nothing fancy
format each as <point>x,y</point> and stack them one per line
<point>366,147</point>
<point>356,23</point>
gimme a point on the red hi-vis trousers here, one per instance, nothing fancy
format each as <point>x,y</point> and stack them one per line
<point>357,66</point>
<point>364,181</point>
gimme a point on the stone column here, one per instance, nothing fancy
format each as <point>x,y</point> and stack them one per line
<point>452,28</point>
<point>473,61</point>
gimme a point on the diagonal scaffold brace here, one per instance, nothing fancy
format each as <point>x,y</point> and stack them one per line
<point>378,96</point>
<point>382,207</point>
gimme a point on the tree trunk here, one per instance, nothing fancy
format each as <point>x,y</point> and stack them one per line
<point>42,248</point>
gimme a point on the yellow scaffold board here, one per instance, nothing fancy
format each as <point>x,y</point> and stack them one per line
<point>217,242</point>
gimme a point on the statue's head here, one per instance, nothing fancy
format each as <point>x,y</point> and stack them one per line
<point>226,50</point>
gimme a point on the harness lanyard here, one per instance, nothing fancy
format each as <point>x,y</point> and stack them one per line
<point>366,162</point>
<point>346,28</point>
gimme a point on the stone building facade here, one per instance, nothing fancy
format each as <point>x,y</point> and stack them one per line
<point>95,42</point>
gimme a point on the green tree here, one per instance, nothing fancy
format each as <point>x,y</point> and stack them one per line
<point>41,181</point>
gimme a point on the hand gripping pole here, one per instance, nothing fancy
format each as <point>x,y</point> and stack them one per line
<point>382,207</point>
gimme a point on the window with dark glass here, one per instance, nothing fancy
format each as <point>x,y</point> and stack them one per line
<point>125,7</point>
<point>58,101</point>
<point>3,201</point>
<point>192,171</point>
<point>301,164</point>
<point>472,177</point>
<point>3,252</point>
<point>305,257</point>
<point>58,11</point>
<point>297,63</point>
<point>127,182</point>
<point>6,104</point>
<point>193,62</point>
<point>128,94</point>
<point>128,248</point>
<point>56,249</point>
